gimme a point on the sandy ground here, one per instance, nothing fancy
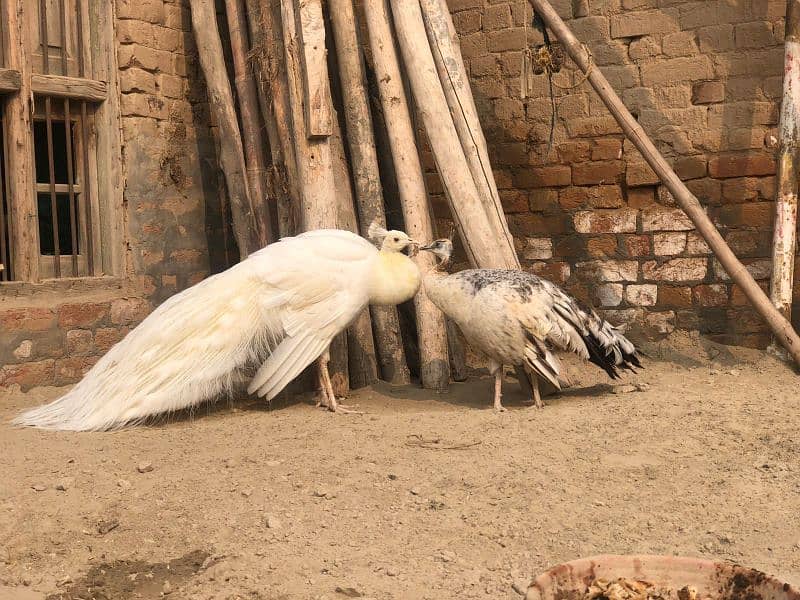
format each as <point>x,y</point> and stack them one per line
<point>424,496</point>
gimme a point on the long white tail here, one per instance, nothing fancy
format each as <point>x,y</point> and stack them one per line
<point>187,351</point>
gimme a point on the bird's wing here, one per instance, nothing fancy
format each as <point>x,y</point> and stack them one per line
<point>319,296</point>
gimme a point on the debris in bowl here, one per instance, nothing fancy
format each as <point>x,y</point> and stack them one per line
<point>636,589</point>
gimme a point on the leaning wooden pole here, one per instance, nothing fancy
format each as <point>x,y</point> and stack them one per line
<point>434,364</point>
<point>253,140</point>
<point>785,236</point>
<point>782,329</point>
<point>479,237</point>
<point>453,76</point>
<point>366,175</point>
<point>312,150</point>
<point>266,40</point>
<point>231,155</point>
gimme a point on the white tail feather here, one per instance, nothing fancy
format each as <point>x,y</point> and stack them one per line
<point>187,351</point>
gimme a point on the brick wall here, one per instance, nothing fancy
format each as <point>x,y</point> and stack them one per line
<point>51,333</point>
<point>704,80</point>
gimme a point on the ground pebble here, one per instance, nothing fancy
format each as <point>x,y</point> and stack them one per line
<point>272,522</point>
<point>392,571</point>
<point>166,588</point>
<point>624,389</point>
<point>64,484</point>
<point>124,484</point>
<point>144,467</point>
<point>39,487</point>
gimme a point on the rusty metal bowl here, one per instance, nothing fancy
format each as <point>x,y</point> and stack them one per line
<point>712,579</point>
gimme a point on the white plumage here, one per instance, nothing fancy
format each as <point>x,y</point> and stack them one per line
<point>282,306</point>
<point>516,318</point>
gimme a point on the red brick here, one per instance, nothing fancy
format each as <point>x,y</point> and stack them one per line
<point>570,247</point>
<point>542,199</point>
<point>607,149</point>
<point>756,214</point>
<point>708,92</point>
<point>659,218</point>
<point>106,337</point>
<point>70,370</point>
<point>79,342</point>
<point>741,164</point>
<point>557,272</point>
<point>606,221</point>
<point>28,375</point>
<point>711,295</point>
<point>551,176</point>
<point>639,173</point>
<point>708,191</point>
<point>677,269</point>
<point>674,296</point>
<point>607,171</point>
<point>609,270</point>
<point>26,319</point>
<point>637,245</point>
<point>514,201</point>
<point>604,246</point>
<point>85,314</point>
<point>640,197</point>
<point>574,152</point>
<point>639,23</point>
<point>497,17</point>
<point>129,310</point>
<point>691,167</point>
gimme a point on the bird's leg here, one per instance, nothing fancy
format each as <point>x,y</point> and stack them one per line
<point>498,386</point>
<point>328,397</point>
<point>537,398</point>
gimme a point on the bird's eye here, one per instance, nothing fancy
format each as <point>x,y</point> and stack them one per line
<point>397,239</point>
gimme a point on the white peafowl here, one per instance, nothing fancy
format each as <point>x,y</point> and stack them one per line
<point>515,318</point>
<point>281,306</point>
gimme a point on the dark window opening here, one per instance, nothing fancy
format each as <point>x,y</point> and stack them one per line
<point>47,244</point>
<point>5,234</point>
<point>59,152</point>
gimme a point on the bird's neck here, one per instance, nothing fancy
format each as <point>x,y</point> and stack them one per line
<point>394,279</point>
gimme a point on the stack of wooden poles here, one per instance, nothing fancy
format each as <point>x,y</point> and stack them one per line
<point>297,146</point>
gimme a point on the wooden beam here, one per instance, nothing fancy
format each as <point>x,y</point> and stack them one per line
<point>782,329</point>
<point>69,87</point>
<point>366,175</point>
<point>785,236</point>
<point>314,68</point>
<point>434,364</point>
<point>253,141</point>
<point>9,80</point>
<point>446,49</point>
<point>220,96</point>
<point>24,224</point>
<point>466,204</point>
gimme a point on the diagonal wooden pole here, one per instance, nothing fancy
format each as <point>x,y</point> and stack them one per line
<point>784,333</point>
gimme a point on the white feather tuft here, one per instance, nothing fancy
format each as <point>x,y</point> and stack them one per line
<point>376,232</point>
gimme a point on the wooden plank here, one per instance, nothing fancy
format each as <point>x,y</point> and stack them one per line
<point>22,197</point>
<point>220,96</point>
<point>101,61</point>
<point>466,203</point>
<point>434,366</point>
<point>366,175</point>
<point>69,87</point>
<point>9,80</point>
<point>314,68</point>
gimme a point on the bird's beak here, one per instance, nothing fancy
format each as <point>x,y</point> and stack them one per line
<point>426,246</point>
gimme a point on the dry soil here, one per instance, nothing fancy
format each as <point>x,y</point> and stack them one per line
<point>423,496</point>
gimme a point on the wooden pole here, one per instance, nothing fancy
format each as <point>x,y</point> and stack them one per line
<point>266,38</point>
<point>434,367</point>
<point>784,242</point>
<point>254,144</point>
<point>366,175</point>
<point>480,239</point>
<point>313,152</point>
<point>453,77</point>
<point>231,154</point>
<point>782,329</point>
<point>362,364</point>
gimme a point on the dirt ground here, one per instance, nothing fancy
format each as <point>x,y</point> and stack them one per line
<point>425,496</point>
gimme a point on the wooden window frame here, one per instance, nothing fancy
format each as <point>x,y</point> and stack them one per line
<point>18,85</point>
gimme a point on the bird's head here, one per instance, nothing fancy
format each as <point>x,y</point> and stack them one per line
<point>442,249</point>
<point>392,240</point>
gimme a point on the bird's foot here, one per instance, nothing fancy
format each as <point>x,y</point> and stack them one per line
<point>330,403</point>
